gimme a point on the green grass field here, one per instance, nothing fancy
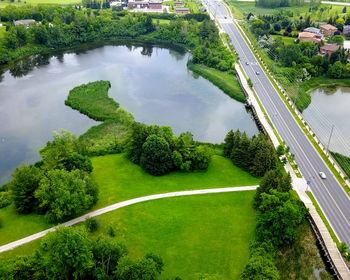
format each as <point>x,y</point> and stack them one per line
<point>286,40</point>
<point>119,179</point>
<point>244,8</point>
<point>36,2</point>
<point>195,235</point>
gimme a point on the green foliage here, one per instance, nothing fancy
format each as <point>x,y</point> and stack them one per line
<point>256,155</point>
<point>78,161</point>
<point>25,182</point>
<point>156,155</point>
<point>5,199</point>
<point>57,152</point>
<point>91,224</point>
<point>67,254</point>
<point>62,194</point>
<point>343,161</point>
<point>250,83</point>
<point>280,214</point>
<point>92,100</point>
<point>277,180</point>
<point>260,267</point>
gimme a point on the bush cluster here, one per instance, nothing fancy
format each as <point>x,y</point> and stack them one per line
<point>158,151</point>
<point>60,185</point>
<point>69,253</point>
<point>255,155</point>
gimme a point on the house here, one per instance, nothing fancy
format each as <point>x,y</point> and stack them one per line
<point>328,29</point>
<point>315,31</point>
<point>155,5</point>
<point>25,22</point>
<point>182,10</point>
<point>346,29</point>
<point>178,4</point>
<point>308,36</point>
<point>138,4</point>
<point>328,49</point>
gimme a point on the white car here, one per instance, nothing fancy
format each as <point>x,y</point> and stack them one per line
<point>322,175</point>
<point>257,72</point>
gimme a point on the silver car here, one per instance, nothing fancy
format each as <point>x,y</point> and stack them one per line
<point>322,175</point>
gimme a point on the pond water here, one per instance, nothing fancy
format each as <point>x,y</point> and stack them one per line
<point>331,106</point>
<point>150,82</point>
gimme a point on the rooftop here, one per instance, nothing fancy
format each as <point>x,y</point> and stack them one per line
<point>24,21</point>
<point>330,47</point>
<point>182,9</point>
<point>312,30</point>
<point>328,27</point>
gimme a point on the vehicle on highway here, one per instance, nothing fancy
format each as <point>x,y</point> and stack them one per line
<point>257,72</point>
<point>322,175</point>
<point>247,63</point>
<point>225,17</point>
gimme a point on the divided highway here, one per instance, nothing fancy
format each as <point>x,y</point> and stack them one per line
<point>329,194</point>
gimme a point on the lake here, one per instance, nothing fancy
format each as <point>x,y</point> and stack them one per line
<point>330,106</point>
<point>150,82</point>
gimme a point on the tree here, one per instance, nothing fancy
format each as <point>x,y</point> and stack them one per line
<point>62,194</point>
<point>68,254</point>
<point>336,70</point>
<point>156,155</point>
<point>277,27</point>
<point>201,158</point>
<point>344,10</point>
<point>228,143</point>
<point>240,155</point>
<point>25,181</point>
<point>289,54</point>
<point>273,180</point>
<point>107,253</point>
<point>143,269</point>
<point>336,39</point>
<point>343,248</point>
<point>57,151</point>
<point>260,268</point>
<point>279,216</point>
<point>78,161</point>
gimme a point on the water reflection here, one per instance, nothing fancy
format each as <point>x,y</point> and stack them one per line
<point>330,106</point>
<point>151,83</point>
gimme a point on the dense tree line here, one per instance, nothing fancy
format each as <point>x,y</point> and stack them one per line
<point>58,27</point>
<point>69,253</point>
<point>255,155</point>
<point>280,213</point>
<point>59,186</point>
<point>158,151</point>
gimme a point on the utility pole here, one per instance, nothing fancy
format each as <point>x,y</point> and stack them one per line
<point>329,140</point>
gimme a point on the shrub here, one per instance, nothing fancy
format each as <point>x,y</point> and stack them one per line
<point>91,224</point>
<point>4,199</point>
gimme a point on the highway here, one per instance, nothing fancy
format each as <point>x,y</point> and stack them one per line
<point>329,194</point>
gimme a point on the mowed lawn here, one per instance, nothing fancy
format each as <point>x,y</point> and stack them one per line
<point>36,2</point>
<point>195,235</point>
<point>119,180</point>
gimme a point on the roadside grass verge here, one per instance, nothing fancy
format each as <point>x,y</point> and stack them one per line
<point>119,179</point>
<point>323,217</point>
<point>301,124</point>
<point>343,161</point>
<point>223,80</point>
<point>196,236</point>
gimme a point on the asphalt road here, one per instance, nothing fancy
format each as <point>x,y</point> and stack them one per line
<point>329,194</point>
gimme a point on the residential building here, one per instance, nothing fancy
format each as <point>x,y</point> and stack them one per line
<point>328,29</point>
<point>182,10</point>
<point>25,22</point>
<point>328,49</point>
<point>315,31</point>
<point>346,29</point>
<point>308,36</point>
<point>155,5</point>
<point>178,4</point>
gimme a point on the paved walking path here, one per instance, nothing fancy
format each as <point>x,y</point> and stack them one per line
<point>118,205</point>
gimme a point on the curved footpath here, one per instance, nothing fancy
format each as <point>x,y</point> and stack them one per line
<point>118,205</point>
